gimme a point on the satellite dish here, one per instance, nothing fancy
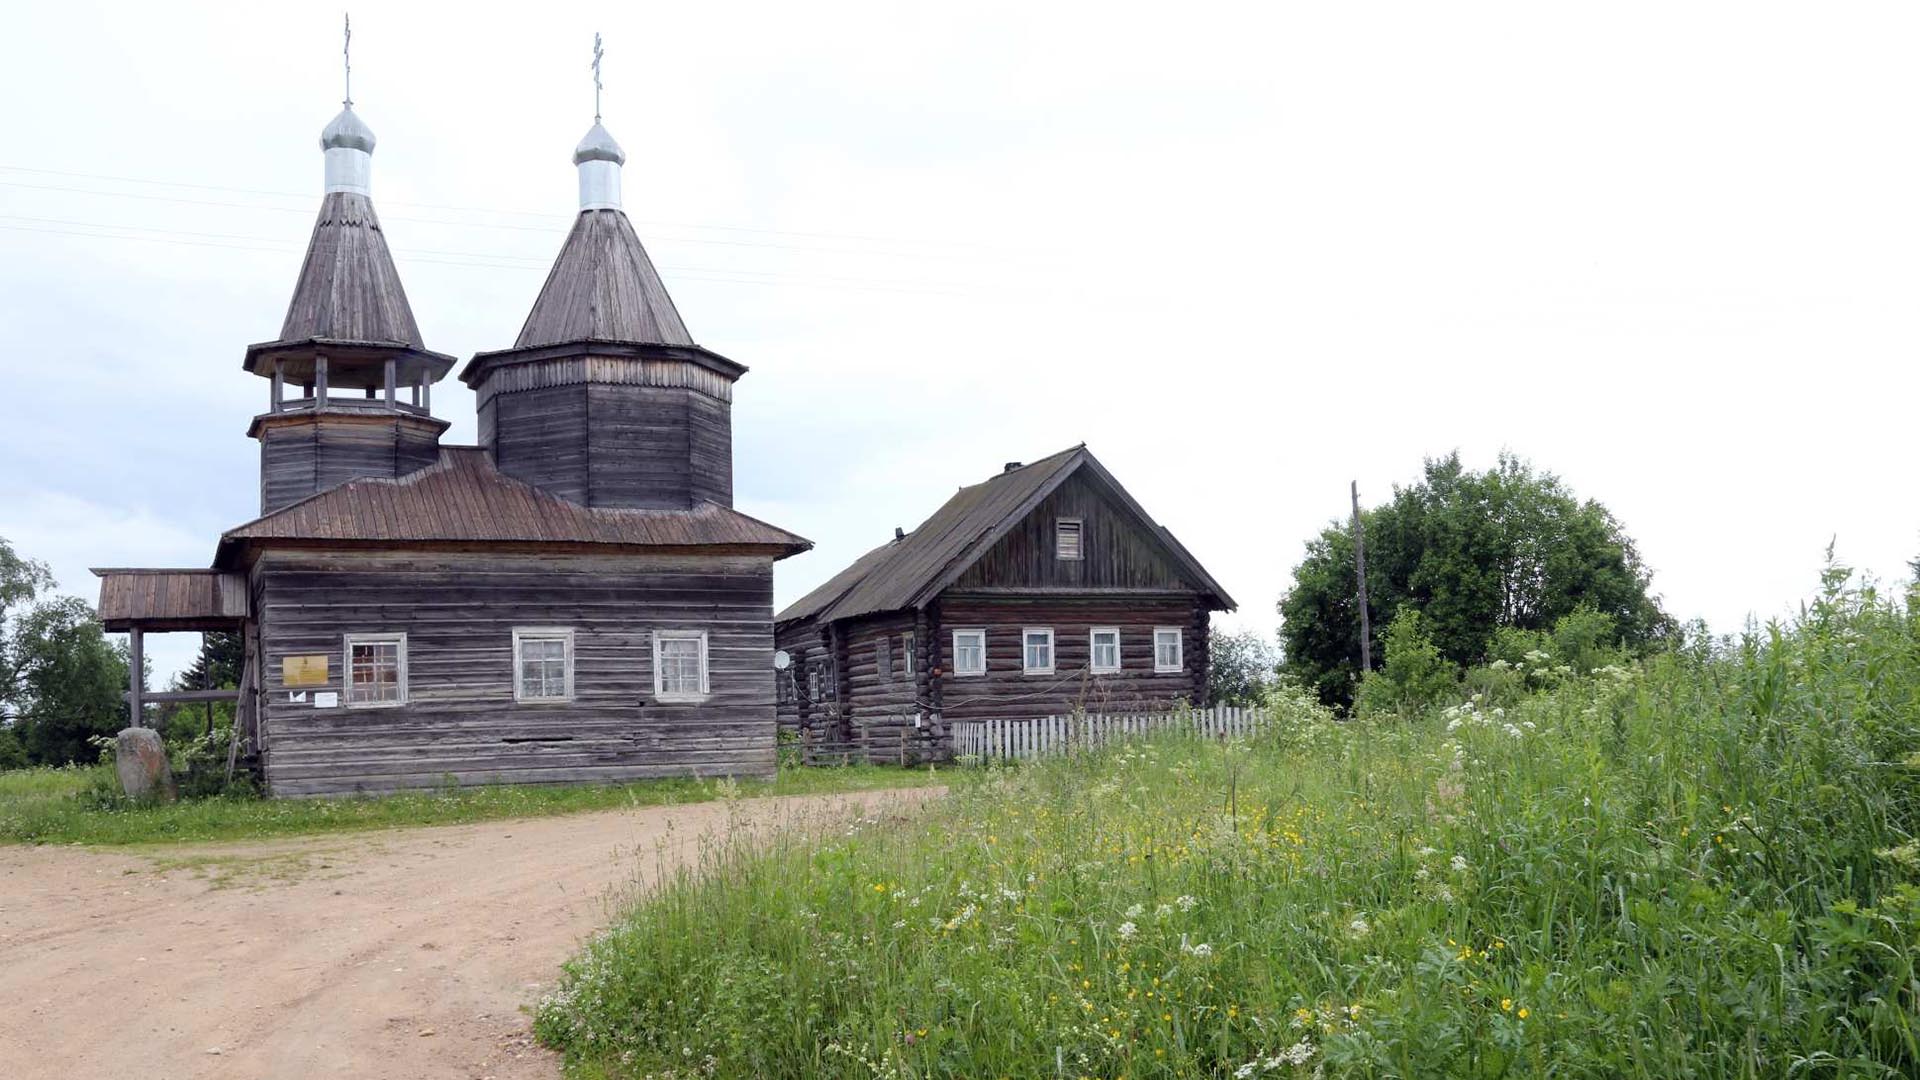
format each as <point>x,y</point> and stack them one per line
<point>781,661</point>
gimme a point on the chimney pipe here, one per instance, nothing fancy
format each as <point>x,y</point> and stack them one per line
<point>899,534</point>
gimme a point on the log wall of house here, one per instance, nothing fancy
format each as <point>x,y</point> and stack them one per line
<point>800,640</point>
<point>1007,691</point>
<point>460,720</point>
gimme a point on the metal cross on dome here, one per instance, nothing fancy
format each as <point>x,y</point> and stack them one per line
<point>597,53</point>
<point>346,57</point>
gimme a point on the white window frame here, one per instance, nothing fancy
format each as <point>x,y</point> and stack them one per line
<point>543,633</point>
<point>1080,539</point>
<point>659,672</point>
<point>1093,650</point>
<point>1179,650</point>
<point>346,653</point>
<point>969,673</point>
<point>906,651</point>
<point>1025,666</point>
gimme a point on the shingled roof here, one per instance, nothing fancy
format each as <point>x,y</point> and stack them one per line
<point>908,572</point>
<point>349,289</point>
<point>463,499</point>
<point>603,287</point>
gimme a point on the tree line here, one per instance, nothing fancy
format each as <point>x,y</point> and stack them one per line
<point>1463,568</point>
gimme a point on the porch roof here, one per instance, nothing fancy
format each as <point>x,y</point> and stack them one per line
<point>171,599</point>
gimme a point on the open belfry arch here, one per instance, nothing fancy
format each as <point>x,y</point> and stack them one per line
<point>573,599</point>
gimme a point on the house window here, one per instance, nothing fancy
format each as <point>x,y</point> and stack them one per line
<point>813,684</point>
<point>906,654</point>
<point>680,665</point>
<point>969,652</point>
<point>1166,649</point>
<point>376,669</point>
<point>1037,645</point>
<point>1104,650</point>
<point>883,657</point>
<point>542,664</point>
<point>1066,538</point>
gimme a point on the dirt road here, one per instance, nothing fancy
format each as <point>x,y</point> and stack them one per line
<point>404,954</point>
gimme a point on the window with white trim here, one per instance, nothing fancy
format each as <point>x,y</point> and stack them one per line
<point>376,669</point>
<point>1036,647</point>
<point>969,652</point>
<point>1103,650</point>
<point>1066,539</point>
<point>542,663</point>
<point>1167,651</point>
<point>906,654</point>
<point>680,665</point>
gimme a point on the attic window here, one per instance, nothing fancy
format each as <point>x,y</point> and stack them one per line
<point>1066,538</point>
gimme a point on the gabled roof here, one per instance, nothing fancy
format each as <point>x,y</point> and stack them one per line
<point>836,586</point>
<point>462,498</point>
<point>603,287</point>
<point>908,573</point>
<point>349,289</point>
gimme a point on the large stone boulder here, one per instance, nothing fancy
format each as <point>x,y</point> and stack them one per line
<point>141,759</point>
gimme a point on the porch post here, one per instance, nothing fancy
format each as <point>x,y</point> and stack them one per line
<point>134,670</point>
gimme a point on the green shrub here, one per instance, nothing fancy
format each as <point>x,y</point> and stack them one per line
<point>1413,675</point>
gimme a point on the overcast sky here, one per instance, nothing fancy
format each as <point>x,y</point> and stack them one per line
<point>1247,253</point>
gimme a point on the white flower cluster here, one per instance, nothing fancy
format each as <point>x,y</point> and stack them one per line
<point>1126,930</point>
<point>1471,713</point>
<point>1298,1054</point>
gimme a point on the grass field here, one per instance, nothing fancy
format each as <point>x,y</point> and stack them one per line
<point>74,806</point>
<point>1700,865</point>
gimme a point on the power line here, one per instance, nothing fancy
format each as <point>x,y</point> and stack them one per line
<point>723,275</point>
<point>544,215</point>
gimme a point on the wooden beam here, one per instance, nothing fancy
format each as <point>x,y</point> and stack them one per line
<point>392,371</point>
<point>320,382</point>
<point>182,697</point>
<point>279,388</point>
<point>135,666</point>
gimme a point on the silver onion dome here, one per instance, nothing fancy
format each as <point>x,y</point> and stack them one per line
<point>347,132</point>
<point>598,146</point>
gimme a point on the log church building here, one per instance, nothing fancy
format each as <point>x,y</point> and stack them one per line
<point>575,598</point>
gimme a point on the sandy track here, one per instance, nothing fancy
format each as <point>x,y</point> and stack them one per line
<point>404,954</point>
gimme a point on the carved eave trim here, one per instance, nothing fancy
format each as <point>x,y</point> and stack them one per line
<point>604,371</point>
<point>485,363</point>
<point>294,358</point>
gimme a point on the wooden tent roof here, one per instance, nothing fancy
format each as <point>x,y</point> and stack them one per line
<point>603,287</point>
<point>349,289</point>
<point>908,573</point>
<point>171,599</point>
<point>463,499</point>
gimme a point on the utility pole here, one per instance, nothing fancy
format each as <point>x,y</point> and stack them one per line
<point>1360,575</point>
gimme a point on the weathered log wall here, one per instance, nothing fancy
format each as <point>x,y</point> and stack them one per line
<point>1007,691</point>
<point>614,444</point>
<point>303,455</point>
<point>460,721</point>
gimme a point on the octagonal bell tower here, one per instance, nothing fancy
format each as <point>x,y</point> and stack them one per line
<point>352,381</point>
<point>604,398</point>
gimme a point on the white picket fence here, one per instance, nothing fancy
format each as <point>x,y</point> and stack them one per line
<point>987,740</point>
